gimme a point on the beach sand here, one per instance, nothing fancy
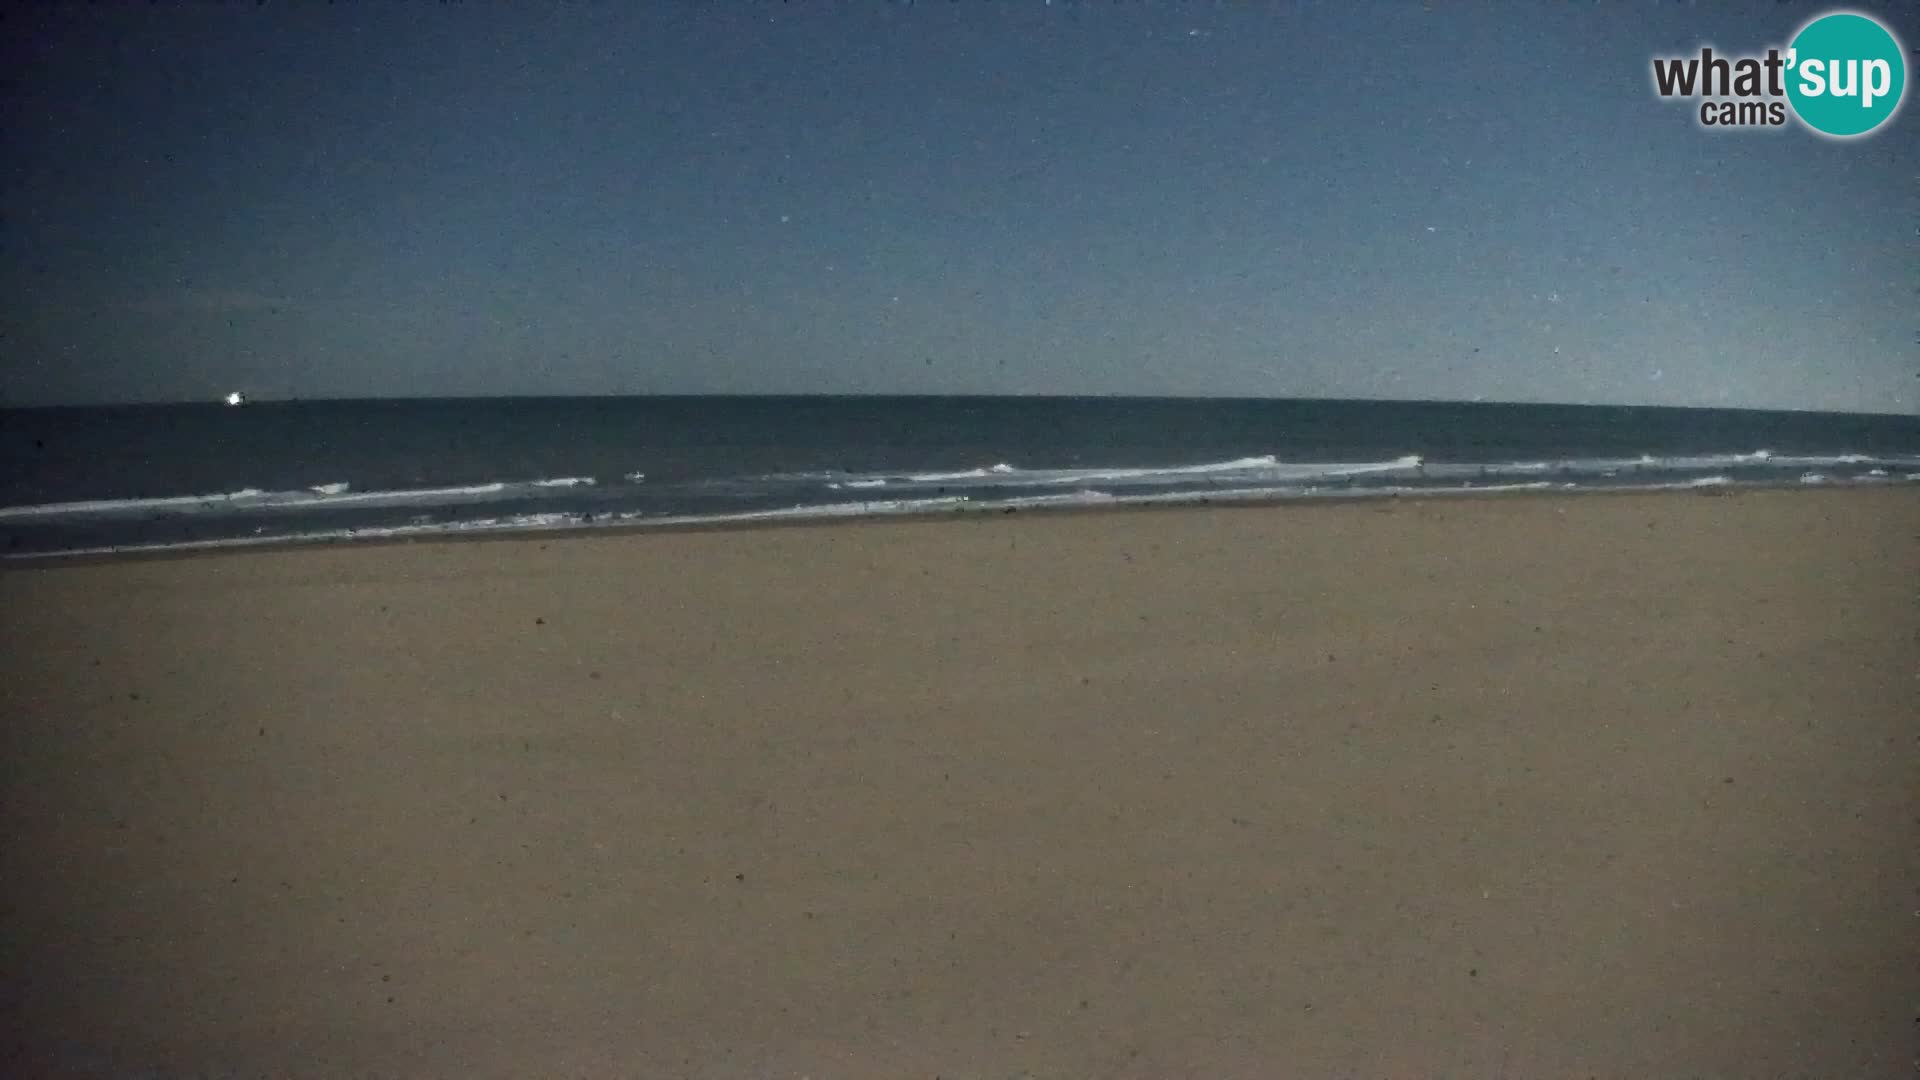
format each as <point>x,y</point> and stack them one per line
<point>1621,786</point>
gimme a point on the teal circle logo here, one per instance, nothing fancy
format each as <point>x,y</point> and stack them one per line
<point>1846,74</point>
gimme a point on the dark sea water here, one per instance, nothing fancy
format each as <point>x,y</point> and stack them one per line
<point>139,476</point>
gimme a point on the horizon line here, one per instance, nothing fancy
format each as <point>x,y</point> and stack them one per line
<point>255,401</point>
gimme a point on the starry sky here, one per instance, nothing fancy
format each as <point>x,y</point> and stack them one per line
<point>1342,199</point>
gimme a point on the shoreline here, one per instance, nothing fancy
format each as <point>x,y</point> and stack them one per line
<point>806,517</point>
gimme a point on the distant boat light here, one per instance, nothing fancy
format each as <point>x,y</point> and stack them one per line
<point>235,397</point>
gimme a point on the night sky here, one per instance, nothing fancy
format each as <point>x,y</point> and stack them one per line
<point>1339,199</point>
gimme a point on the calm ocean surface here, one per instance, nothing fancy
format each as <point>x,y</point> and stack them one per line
<point>93,478</point>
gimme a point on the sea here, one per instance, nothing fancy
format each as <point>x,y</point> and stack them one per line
<point>134,478</point>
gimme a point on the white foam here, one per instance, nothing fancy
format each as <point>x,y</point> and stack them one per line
<point>1647,463</point>
<point>1069,498</point>
<point>1000,469</point>
<point>1002,484</point>
<point>253,499</point>
<point>881,508</point>
<point>837,510</point>
<point>1265,467</point>
<point>128,506</point>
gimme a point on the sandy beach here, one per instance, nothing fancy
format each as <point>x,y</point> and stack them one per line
<point>1614,786</point>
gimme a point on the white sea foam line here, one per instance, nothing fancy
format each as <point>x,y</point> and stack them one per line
<point>1007,475</point>
<point>1068,498</point>
<point>1001,469</point>
<point>878,480</point>
<point>1271,467</point>
<point>535,522</point>
<point>1256,494</point>
<point>243,499</point>
<point>423,496</point>
<point>1645,463</point>
<point>883,508</point>
<point>528,522</point>
<point>322,496</point>
<point>99,506</point>
<point>1249,468</point>
<point>341,494</point>
<point>828,510</point>
<point>525,522</point>
<point>1040,476</point>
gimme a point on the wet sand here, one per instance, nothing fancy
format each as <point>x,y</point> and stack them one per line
<point>1614,786</point>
